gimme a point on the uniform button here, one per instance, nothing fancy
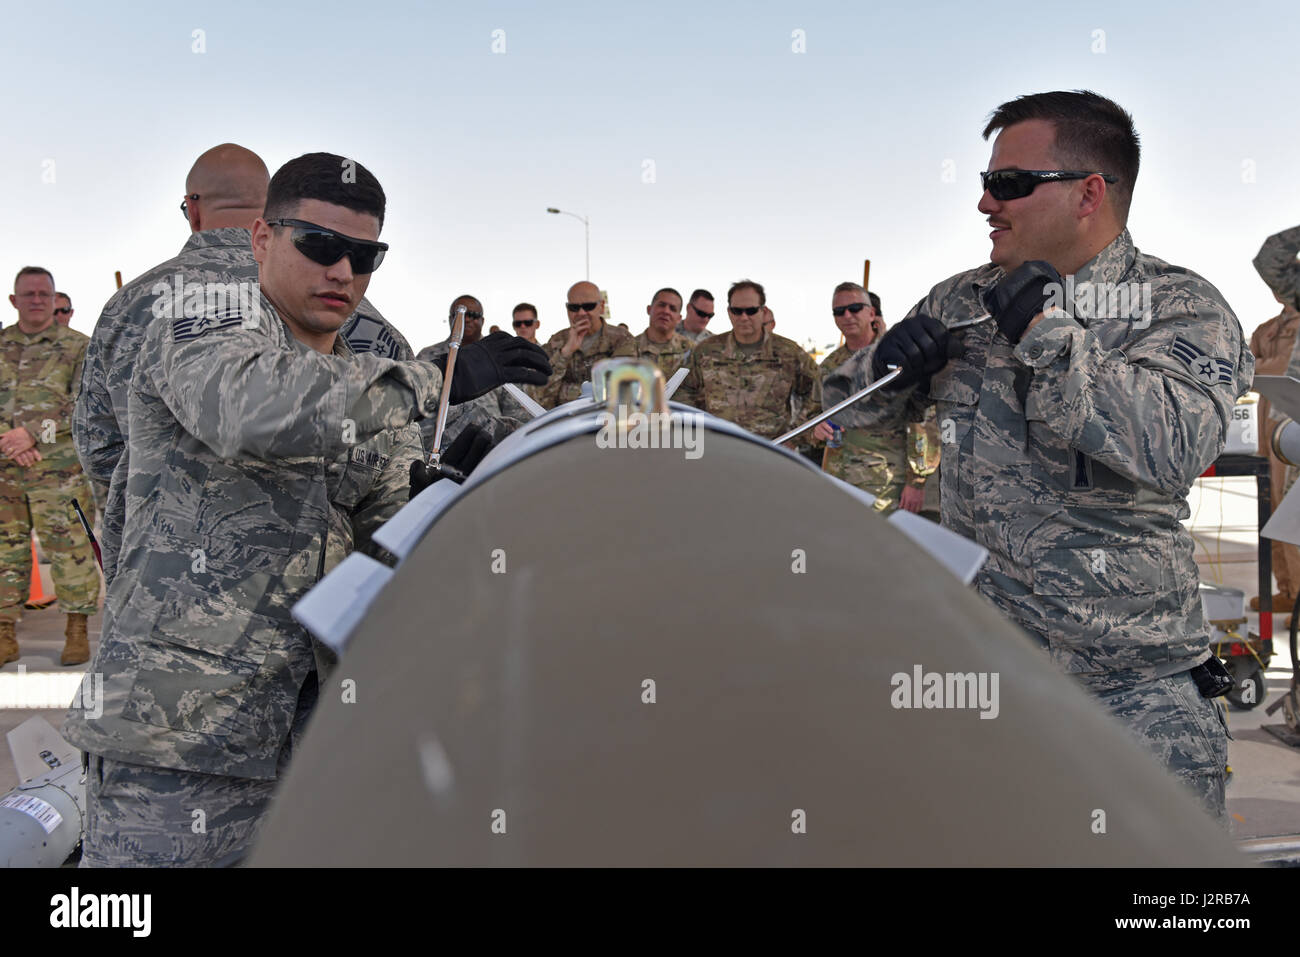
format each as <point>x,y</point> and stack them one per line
<point>1035,351</point>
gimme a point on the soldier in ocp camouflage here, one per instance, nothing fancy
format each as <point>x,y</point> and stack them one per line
<point>40,374</point>
<point>873,456</point>
<point>766,390</point>
<point>1273,344</point>
<point>605,341</point>
<point>668,356</point>
<point>660,343</point>
<point>1069,451</point>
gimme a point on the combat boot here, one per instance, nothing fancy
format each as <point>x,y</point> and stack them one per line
<point>8,643</point>
<point>76,650</point>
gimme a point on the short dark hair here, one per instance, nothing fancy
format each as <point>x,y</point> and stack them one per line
<point>747,284</point>
<point>848,287</point>
<point>521,307</point>
<point>875,302</point>
<point>329,178</point>
<point>665,289</point>
<point>33,271</point>
<point>64,295</point>
<point>1092,133</point>
<point>701,292</point>
<point>451,310</point>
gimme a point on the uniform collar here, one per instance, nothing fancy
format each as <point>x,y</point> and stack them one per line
<point>226,236</point>
<point>50,333</point>
<point>1111,264</point>
<point>735,348</point>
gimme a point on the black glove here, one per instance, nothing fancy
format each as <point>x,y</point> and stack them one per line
<point>493,361</point>
<point>461,457</point>
<point>1021,295</point>
<point>920,346</point>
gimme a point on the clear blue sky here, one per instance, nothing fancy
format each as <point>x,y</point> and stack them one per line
<point>789,168</point>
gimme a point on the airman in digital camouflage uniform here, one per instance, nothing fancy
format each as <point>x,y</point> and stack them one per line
<point>224,193</point>
<point>872,458</point>
<point>1077,418</point>
<point>761,381</point>
<point>40,373</point>
<point>575,350</point>
<point>659,343</point>
<point>498,413</point>
<point>238,420</point>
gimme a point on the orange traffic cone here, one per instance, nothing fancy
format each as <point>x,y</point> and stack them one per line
<point>37,598</point>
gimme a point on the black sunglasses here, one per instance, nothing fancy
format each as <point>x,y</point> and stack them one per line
<point>751,311</point>
<point>1004,184</point>
<point>584,306</point>
<point>185,209</point>
<point>524,322</point>
<point>701,313</point>
<point>853,307</point>
<point>469,313</point>
<point>62,312</point>
<point>326,247</point>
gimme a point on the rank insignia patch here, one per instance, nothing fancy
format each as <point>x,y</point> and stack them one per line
<point>184,330</point>
<point>1208,369</point>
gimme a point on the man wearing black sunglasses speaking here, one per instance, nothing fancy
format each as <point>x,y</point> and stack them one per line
<point>1074,426</point>
<point>238,420</point>
<point>575,350</point>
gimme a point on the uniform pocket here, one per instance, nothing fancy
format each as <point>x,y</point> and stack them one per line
<point>1101,596</point>
<point>1071,476</point>
<point>198,666</point>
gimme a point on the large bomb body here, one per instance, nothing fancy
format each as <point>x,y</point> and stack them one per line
<point>599,654</point>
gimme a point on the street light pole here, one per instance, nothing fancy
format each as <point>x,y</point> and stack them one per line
<point>586,227</point>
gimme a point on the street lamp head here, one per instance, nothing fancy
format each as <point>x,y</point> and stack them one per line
<point>551,209</point>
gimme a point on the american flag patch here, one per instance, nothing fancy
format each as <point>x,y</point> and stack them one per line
<point>1208,369</point>
<point>184,330</point>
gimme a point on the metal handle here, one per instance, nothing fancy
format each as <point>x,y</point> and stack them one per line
<point>882,381</point>
<point>457,333</point>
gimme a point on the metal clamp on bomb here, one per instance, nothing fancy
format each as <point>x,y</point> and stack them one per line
<point>625,384</point>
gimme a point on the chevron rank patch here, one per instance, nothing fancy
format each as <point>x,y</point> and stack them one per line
<point>183,330</point>
<point>364,334</point>
<point>1208,369</point>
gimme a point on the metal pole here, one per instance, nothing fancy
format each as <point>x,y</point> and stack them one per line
<point>457,334</point>
<point>885,379</point>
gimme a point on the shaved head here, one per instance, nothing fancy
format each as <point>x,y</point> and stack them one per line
<point>584,292</point>
<point>230,182</point>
